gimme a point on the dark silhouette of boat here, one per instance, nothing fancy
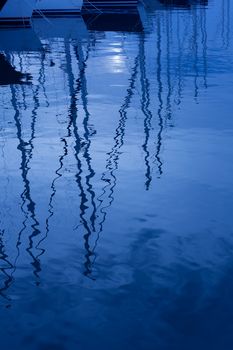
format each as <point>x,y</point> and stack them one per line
<point>9,75</point>
<point>183,3</point>
<point>165,4</point>
<point>98,6</point>
<point>127,22</point>
<point>2,3</point>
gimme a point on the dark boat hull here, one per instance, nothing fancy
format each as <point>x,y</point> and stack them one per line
<point>104,5</point>
<point>9,75</point>
<point>10,22</point>
<point>128,22</point>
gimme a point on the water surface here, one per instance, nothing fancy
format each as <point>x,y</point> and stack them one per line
<point>116,181</point>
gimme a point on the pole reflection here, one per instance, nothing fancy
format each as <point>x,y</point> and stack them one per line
<point>28,205</point>
<point>145,107</point>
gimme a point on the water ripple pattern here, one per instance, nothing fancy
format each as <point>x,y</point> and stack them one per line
<point>116,180</point>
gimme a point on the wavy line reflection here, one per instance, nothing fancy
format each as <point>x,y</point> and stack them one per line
<point>145,107</point>
<point>81,148</point>
<point>160,108</point>
<point>26,149</point>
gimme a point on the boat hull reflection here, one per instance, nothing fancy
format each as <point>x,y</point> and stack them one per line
<point>109,6</point>
<point>9,75</point>
<point>128,22</point>
<point>53,8</point>
<point>16,13</point>
<point>72,28</point>
<point>15,40</point>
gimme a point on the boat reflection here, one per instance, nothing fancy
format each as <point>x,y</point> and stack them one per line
<point>174,4</point>
<point>16,13</point>
<point>19,40</point>
<point>9,75</point>
<point>116,22</point>
<point>55,28</point>
<point>16,41</point>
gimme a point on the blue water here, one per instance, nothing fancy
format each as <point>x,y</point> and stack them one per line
<point>116,184</point>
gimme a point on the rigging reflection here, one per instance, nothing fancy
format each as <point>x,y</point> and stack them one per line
<point>70,31</point>
<point>160,100</point>
<point>145,107</point>
<point>28,206</point>
<point>78,147</point>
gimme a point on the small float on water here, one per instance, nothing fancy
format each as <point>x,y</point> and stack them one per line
<point>16,13</point>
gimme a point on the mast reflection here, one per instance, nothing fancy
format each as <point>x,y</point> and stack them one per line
<point>82,144</point>
<point>145,107</point>
<point>28,205</point>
